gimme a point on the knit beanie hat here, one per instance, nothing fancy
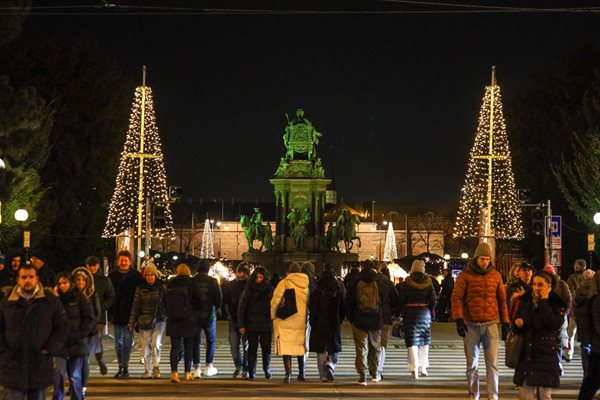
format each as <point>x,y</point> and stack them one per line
<point>183,269</point>
<point>550,269</point>
<point>483,250</point>
<point>588,273</point>
<point>243,267</point>
<point>152,270</point>
<point>417,266</point>
<point>579,265</point>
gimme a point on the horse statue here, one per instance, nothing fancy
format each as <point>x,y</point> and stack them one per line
<point>254,229</point>
<point>343,230</point>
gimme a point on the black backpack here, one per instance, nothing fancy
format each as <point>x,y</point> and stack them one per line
<point>178,303</point>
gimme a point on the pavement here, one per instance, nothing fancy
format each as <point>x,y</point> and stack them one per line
<point>446,378</point>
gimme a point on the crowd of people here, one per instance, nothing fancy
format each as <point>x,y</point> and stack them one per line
<point>51,324</point>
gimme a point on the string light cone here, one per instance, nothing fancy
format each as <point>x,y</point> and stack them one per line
<point>390,252</point>
<point>489,207</point>
<point>207,250</point>
<point>141,179</point>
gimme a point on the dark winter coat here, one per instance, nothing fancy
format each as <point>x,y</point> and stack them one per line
<point>361,321</point>
<point>106,293</point>
<point>390,299</point>
<point>326,305</point>
<point>595,314</point>
<point>209,297</point>
<point>541,324</point>
<point>148,301</point>
<point>232,293</point>
<point>254,308</point>
<point>82,322</point>
<point>447,286</point>
<point>6,276</point>
<point>30,333</point>
<point>183,327</point>
<point>124,285</point>
<point>511,288</point>
<point>417,301</point>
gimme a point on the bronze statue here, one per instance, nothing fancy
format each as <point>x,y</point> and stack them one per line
<point>298,222</point>
<point>254,229</point>
<point>344,230</point>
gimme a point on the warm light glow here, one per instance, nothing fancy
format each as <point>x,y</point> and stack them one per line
<point>464,256</point>
<point>207,249</point>
<point>21,215</point>
<point>446,256</point>
<point>597,218</point>
<point>390,253</point>
<point>2,164</point>
<point>506,219</point>
<point>123,210</point>
<point>142,253</point>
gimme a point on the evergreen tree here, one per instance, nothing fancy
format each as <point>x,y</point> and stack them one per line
<point>207,250</point>
<point>390,252</point>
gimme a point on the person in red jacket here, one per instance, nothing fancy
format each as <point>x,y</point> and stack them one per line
<point>478,304</point>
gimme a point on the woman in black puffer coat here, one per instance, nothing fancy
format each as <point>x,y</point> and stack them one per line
<point>82,323</point>
<point>539,318</point>
<point>254,320</point>
<point>417,302</point>
<point>149,314</point>
<point>326,305</point>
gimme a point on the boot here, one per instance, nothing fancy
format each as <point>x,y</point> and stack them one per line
<point>174,377</point>
<point>301,364</point>
<point>287,363</point>
<point>251,369</point>
<point>266,361</point>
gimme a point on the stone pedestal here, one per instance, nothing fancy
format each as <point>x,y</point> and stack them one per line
<point>279,262</point>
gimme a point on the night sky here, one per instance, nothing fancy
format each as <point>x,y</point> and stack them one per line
<point>396,96</point>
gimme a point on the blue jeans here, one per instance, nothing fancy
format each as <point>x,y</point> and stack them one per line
<point>240,358</point>
<point>72,366</point>
<point>485,334</point>
<point>123,344</point>
<point>210,331</point>
<point>18,394</point>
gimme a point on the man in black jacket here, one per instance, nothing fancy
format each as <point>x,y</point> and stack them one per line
<point>124,280</point>
<point>46,274</point>
<point>364,310</point>
<point>232,293</point>
<point>33,327</point>
<point>106,294</point>
<point>209,298</point>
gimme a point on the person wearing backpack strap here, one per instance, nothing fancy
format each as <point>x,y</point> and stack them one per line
<point>181,322</point>
<point>365,312</point>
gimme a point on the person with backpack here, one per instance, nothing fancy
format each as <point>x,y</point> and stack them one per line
<point>148,314</point>
<point>209,302</point>
<point>478,304</point>
<point>289,334</point>
<point>326,315</point>
<point>417,302</point>
<point>180,305</point>
<point>254,320</point>
<point>365,312</point>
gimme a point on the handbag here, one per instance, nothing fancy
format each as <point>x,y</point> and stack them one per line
<point>513,348</point>
<point>398,329</point>
<point>287,304</point>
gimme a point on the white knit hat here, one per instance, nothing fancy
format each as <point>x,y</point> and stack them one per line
<point>417,266</point>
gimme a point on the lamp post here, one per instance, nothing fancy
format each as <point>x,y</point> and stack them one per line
<point>379,234</point>
<point>220,242</point>
<point>22,215</point>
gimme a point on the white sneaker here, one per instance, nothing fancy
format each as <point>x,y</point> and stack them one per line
<point>423,372</point>
<point>210,370</point>
<point>197,372</point>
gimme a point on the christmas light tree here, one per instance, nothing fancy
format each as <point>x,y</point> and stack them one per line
<point>141,179</point>
<point>207,249</point>
<point>390,252</point>
<point>489,207</point>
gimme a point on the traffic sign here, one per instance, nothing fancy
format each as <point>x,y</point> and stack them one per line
<point>554,231</point>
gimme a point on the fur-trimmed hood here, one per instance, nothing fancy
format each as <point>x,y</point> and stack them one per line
<point>89,288</point>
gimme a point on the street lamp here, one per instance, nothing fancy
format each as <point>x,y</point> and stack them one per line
<point>597,218</point>
<point>385,224</point>
<point>22,215</point>
<point>220,242</point>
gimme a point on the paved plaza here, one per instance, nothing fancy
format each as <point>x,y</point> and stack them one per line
<point>446,380</point>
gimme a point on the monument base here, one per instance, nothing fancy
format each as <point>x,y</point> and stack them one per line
<point>279,262</point>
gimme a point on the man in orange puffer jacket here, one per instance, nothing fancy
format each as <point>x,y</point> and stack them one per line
<point>478,304</point>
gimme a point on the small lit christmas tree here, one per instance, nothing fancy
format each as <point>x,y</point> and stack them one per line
<point>141,176</point>
<point>207,249</point>
<point>489,207</point>
<point>390,252</point>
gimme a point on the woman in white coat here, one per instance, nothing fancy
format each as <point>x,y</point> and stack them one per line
<point>289,335</point>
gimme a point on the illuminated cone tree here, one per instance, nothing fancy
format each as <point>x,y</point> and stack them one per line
<point>489,207</point>
<point>141,179</point>
<point>390,252</point>
<point>207,250</point>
